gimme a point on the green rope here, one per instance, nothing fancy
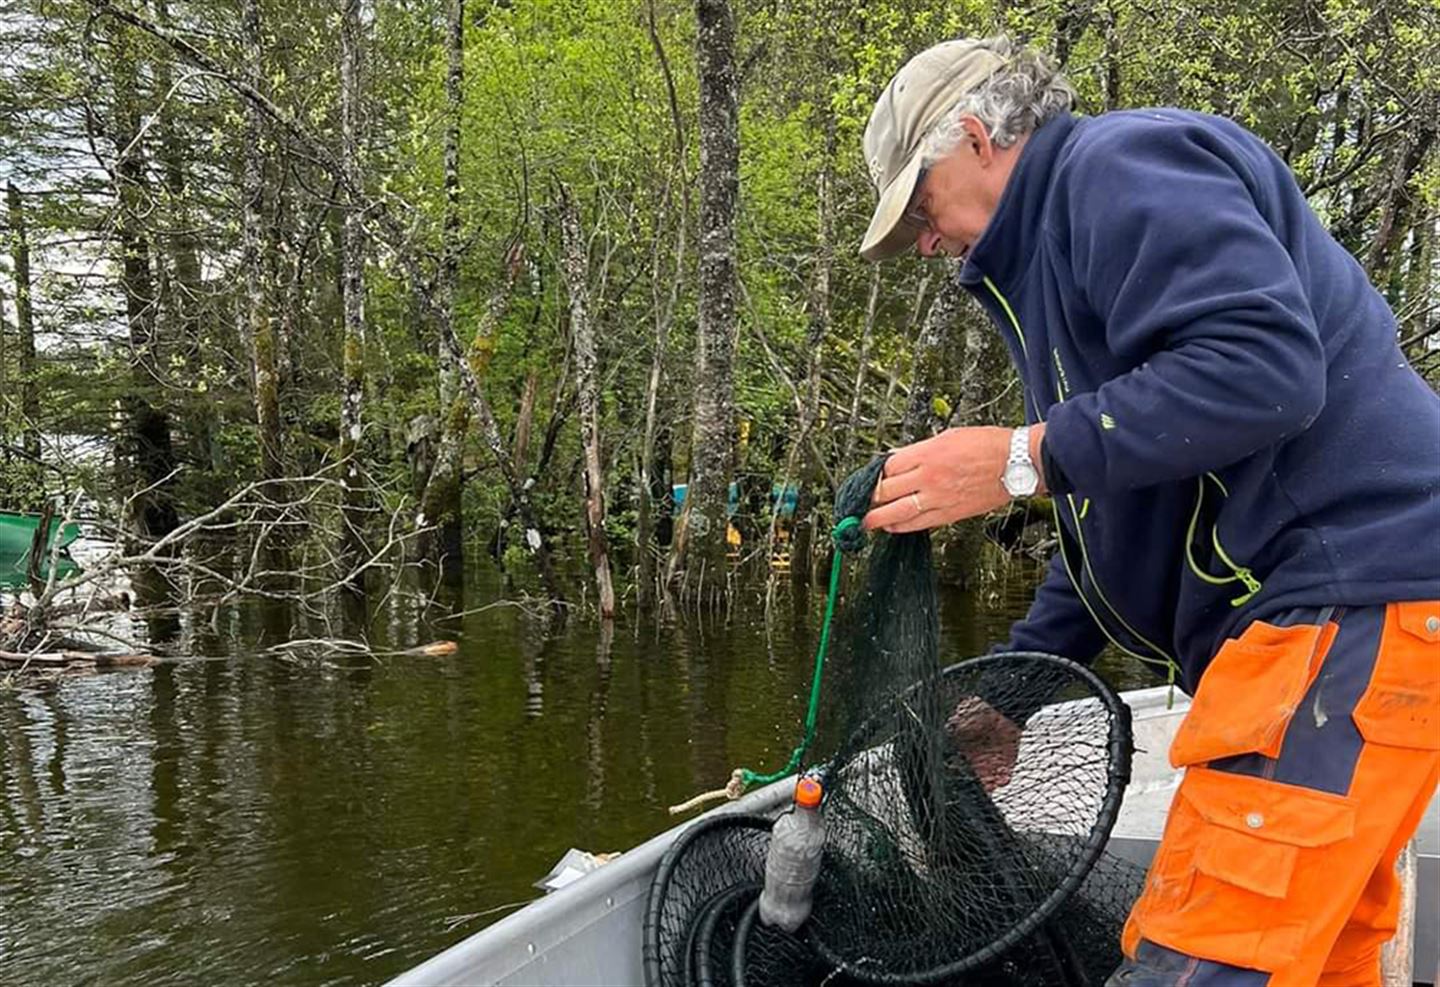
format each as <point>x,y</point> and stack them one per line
<point>748,777</point>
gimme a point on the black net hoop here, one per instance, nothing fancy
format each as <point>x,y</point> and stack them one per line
<point>715,934</point>
<point>767,957</point>
<point>708,859</point>
<point>943,854</point>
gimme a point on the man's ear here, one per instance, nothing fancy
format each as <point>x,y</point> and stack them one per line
<point>979,138</point>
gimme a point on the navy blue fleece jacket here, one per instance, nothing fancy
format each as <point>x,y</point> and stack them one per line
<point>1222,386</point>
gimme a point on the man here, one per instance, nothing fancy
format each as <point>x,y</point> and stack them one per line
<point>1246,475</point>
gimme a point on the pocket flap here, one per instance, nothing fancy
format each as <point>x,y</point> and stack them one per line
<point>1249,692</point>
<point>1401,706</point>
<point>1247,862</point>
<point>1421,618</point>
<point>1268,811</point>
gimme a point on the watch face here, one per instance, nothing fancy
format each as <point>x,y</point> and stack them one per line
<point>1020,479</point>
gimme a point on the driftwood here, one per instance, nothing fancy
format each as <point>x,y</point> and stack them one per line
<point>334,646</point>
<point>99,659</point>
<point>72,658</point>
<point>98,604</point>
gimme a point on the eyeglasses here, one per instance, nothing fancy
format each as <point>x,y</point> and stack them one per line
<point>914,215</point>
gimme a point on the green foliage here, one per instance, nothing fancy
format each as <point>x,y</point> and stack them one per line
<point>572,92</point>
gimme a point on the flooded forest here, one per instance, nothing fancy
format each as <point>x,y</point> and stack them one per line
<point>419,422</point>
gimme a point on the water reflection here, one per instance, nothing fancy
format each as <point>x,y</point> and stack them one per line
<point>595,723</point>
<point>337,821</point>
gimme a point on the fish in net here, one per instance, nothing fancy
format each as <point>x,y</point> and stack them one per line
<point>966,810</point>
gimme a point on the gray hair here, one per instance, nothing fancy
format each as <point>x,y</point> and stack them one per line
<point>1021,95</point>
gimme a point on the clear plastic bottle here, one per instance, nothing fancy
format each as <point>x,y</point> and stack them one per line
<point>793,861</point>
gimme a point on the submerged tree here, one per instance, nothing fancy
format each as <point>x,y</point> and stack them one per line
<point>700,535</point>
<point>265,239</point>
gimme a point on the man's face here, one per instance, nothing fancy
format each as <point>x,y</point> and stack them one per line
<point>957,195</point>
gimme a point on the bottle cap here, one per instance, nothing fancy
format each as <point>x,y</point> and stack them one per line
<point>808,793</point>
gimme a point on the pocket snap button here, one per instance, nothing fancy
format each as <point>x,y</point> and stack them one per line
<point>1432,624</point>
<point>1254,820</point>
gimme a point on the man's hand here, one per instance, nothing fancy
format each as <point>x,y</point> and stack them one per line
<point>987,738</point>
<point>948,478</point>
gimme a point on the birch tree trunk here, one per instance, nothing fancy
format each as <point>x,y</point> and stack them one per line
<point>475,364</point>
<point>852,429</point>
<point>809,474</point>
<point>882,417</point>
<point>1419,312</point>
<point>471,378</point>
<point>183,244</point>
<point>920,419</point>
<point>149,451</point>
<point>525,420</point>
<point>1399,202</point>
<point>259,327</point>
<point>352,283</point>
<point>1110,20</point>
<point>180,297</point>
<point>665,304</point>
<point>24,322</point>
<point>441,503</point>
<point>700,534</point>
<point>647,479</point>
<point>4,385</point>
<point>1070,27</point>
<point>588,387</point>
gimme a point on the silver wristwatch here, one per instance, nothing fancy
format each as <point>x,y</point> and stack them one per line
<point>1021,478</point>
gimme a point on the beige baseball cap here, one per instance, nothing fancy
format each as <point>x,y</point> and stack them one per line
<point>917,97</point>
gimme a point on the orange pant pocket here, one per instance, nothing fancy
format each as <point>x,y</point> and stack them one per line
<point>1222,888</point>
<point>1401,706</point>
<point>1250,691</point>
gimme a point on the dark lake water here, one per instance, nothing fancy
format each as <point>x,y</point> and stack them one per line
<point>248,818</point>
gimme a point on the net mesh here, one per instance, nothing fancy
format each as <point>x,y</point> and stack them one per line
<point>966,812</point>
<point>763,956</point>
<point>950,838</point>
<point>715,940</point>
<point>713,856</point>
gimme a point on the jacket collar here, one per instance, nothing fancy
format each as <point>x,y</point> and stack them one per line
<point>1003,251</point>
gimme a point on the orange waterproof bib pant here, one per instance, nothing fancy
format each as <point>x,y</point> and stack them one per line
<point>1311,750</point>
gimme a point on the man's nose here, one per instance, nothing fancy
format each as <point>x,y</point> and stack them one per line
<point>928,243</point>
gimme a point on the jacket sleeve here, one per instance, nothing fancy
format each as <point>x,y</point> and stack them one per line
<point>1057,623</point>
<point>1198,295</point>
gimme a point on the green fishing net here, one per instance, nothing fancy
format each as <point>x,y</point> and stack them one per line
<point>967,810</point>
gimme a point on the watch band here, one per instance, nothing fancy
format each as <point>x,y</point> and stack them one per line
<point>1020,448</point>
<point>1021,477</point>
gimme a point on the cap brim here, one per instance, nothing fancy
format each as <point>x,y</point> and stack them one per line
<point>889,234</point>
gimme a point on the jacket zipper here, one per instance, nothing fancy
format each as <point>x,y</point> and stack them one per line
<point>1240,573</point>
<point>1164,658</point>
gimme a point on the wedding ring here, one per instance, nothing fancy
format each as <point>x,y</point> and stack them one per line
<point>915,498</point>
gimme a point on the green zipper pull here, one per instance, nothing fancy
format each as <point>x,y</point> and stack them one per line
<point>1252,585</point>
